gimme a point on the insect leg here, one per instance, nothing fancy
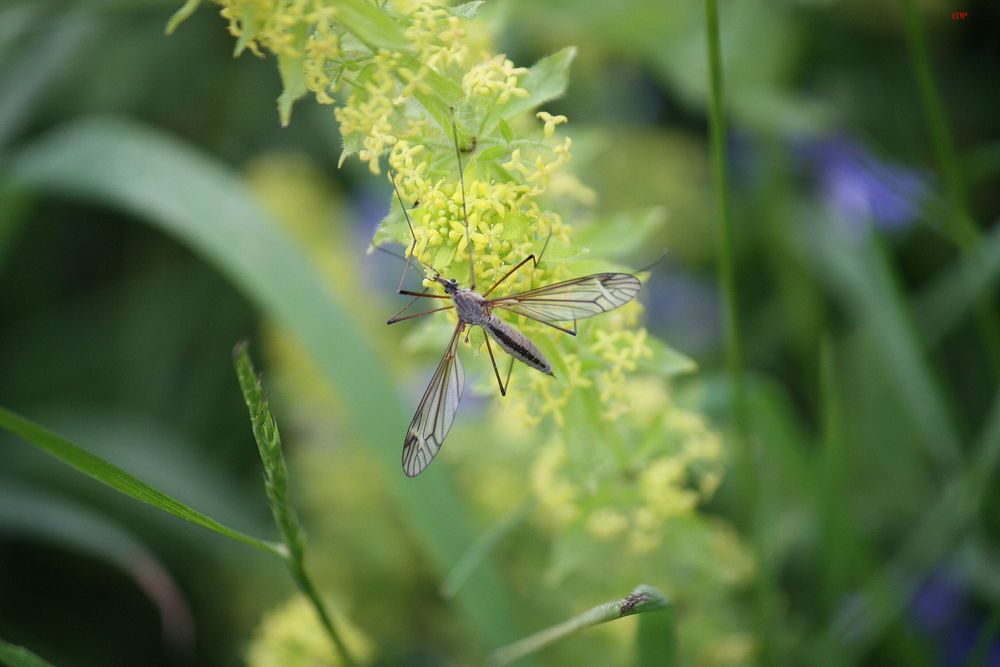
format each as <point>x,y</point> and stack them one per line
<point>522,263</point>
<point>465,212</point>
<point>503,385</point>
<point>396,318</point>
<point>413,245</point>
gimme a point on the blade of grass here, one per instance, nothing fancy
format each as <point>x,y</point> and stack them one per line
<point>113,476</point>
<point>726,265</point>
<point>265,432</point>
<point>970,280</point>
<point>18,656</point>
<point>642,600</point>
<point>205,206</point>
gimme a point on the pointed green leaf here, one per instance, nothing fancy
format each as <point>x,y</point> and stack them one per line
<point>113,476</point>
<point>508,134</point>
<point>293,77</point>
<point>181,15</point>
<point>18,656</point>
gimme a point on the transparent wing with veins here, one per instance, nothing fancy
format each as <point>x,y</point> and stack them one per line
<point>436,411</point>
<point>574,299</point>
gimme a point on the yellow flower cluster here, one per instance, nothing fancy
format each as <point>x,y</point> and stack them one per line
<point>506,222</point>
<point>674,462</point>
<point>497,78</point>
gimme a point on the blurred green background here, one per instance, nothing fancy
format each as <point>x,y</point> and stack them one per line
<point>866,275</point>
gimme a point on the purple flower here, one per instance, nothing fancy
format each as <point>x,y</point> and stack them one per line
<point>859,188</point>
<point>944,613</point>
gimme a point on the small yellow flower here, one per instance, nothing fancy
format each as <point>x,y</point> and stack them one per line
<point>550,122</point>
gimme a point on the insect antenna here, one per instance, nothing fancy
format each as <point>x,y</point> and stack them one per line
<point>465,212</point>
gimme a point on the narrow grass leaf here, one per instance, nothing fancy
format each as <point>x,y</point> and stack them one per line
<point>642,600</point>
<point>181,15</point>
<point>18,656</point>
<point>113,476</point>
<point>974,276</point>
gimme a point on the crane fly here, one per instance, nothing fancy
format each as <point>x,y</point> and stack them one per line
<point>558,305</point>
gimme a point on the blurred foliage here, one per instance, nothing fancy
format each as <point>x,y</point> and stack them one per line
<point>874,409</point>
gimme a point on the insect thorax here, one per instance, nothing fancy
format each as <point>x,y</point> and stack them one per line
<point>471,306</point>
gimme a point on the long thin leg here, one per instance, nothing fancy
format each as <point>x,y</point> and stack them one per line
<point>509,273</point>
<point>426,295</point>
<point>503,385</point>
<point>465,213</point>
<point>396,318</point>
<point>413,236</point>
<point>522,263</point>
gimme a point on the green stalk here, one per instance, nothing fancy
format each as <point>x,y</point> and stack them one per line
<point>643,599</point>
<point>265,432</point>
<point>747,480</point>
<point>963,230</point>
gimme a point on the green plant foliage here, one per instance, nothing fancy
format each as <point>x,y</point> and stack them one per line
<point>116,478</point>
<point>793,432</point>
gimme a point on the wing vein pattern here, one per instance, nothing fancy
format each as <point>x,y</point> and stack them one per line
<point>574,299</point>
<point>436,411</point>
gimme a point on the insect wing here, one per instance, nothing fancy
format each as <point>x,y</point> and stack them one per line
<point>436,411</point>
<point>574,299</point>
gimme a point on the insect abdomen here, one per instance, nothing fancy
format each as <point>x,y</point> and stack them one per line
<point>516,344</point>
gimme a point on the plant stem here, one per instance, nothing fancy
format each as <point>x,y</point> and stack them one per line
<point>305,584</point>
<point>643,599</point>
<point>265,432</point>
<point>747,481</point>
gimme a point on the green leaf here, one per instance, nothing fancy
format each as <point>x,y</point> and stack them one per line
<point>18,656</point>
<point>491,153</point>
<point>373,25</point>
<point>508,134</point>
<point>642,600</point>
<point>666,361</point>
<point>204,205</point>
<point>622,234</point>
<point>113,476</point>
<point>248,31</point>
<point>973,276</point>
<point>293,77</point>
<point>546,80</point>
<point>181,15</point>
